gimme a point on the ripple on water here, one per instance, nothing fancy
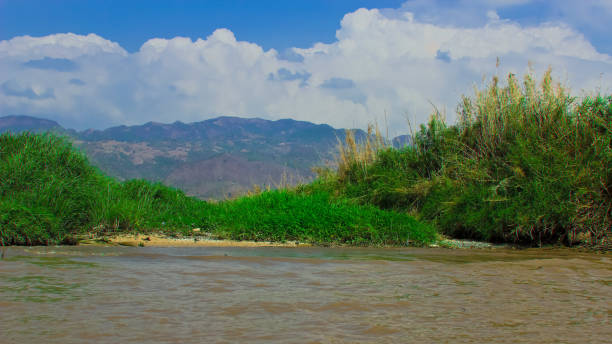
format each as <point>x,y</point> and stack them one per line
<point>191,295</point>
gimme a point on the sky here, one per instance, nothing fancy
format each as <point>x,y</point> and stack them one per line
<point>94,64</point>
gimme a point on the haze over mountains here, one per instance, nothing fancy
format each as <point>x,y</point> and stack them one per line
<point>216,158</point>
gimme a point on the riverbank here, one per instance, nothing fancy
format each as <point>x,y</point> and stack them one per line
<point>209,240</point>
<point>46,201</point>
<point>525,163</point>
<point>161,240</point>
<point>524,166</point>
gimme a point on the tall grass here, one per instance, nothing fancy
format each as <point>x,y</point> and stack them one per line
<point>49,193</point>
<point>353,155</point>
<point>537,144</point>
<point>43,187</point>
<point>526,162</point>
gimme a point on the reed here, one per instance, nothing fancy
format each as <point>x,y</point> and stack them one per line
<point>525,162</point>
<point>353,155</point>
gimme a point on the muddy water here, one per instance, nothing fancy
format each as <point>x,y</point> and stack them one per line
<point>311,295</point>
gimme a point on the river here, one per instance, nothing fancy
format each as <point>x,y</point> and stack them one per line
<point>303,295</point>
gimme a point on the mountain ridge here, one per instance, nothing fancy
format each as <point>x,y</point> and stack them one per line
<point>22,122</point>
<point>215,158</point>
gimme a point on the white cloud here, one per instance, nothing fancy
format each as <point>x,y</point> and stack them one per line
<point>388,61</point>
<point>63,45</point>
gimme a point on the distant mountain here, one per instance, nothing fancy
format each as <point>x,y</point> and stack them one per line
<point>217,129</point>
<point>27,123</point>
<point>215,158</point>
<point>402,141</point>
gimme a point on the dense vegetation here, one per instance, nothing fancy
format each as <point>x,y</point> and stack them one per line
<point>525,163</point>
<point>49,193</point>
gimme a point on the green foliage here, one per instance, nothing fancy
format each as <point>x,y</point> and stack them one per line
<point>49,192</point>
<point>23,225</point>
<point>44,184</point>
<point>287,215</point>
<point>523,164</point>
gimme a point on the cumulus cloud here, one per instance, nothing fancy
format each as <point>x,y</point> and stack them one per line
<point>78,82</point>
<point>67,46</point>
<point>590,17</point>
<point>285,74</point>
<point>60,65</point>
<point>443,56</point>
<point>12,88</point>
<point>395,62</point>
<point>338,83</point>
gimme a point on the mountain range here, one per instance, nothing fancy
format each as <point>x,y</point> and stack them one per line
<point>212,159</point>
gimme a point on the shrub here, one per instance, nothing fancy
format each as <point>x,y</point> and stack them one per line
<point>525,163</point>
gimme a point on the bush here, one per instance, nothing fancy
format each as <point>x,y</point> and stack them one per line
<point>525,163</point>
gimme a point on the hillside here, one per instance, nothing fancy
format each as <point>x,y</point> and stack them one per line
<point>49,194</point>
<point>27,123</point>
<point>216,158</point>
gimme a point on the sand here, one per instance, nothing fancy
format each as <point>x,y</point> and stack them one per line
<point>156,240</point>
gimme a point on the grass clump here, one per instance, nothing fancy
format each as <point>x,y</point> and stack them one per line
<point>525,163</point>
<point>44,186</point>
<point>49,192</point>
<point>287,215</point>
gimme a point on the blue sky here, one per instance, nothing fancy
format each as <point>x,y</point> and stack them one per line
<point>98,63</point>
<point>271,24</point>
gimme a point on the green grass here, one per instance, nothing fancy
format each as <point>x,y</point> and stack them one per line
<point>525,163</point>
<point>49,193</point>
<point>45,188</point>
<point>285,215</point>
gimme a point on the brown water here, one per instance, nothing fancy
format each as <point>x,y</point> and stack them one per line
<point>311,295</point>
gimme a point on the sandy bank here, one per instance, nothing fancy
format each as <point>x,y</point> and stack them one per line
<point>161,240</point>
<point>157,240</point>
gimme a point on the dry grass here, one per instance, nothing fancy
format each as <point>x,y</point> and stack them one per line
<point>353,154</point>
<point>497,113</point>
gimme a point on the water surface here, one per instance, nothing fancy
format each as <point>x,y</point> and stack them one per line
<point>303,295</point>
